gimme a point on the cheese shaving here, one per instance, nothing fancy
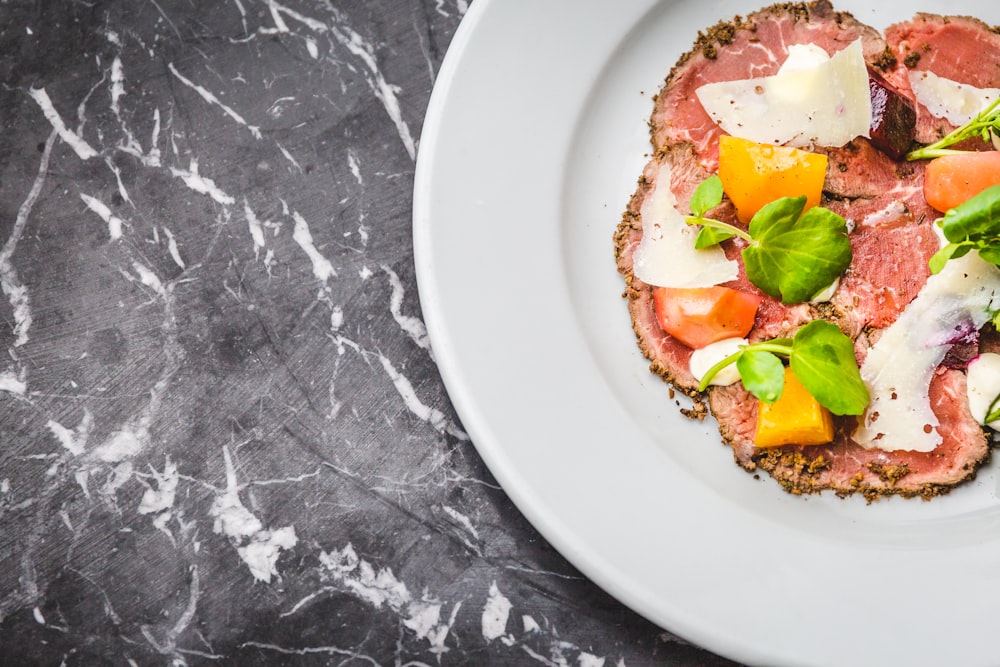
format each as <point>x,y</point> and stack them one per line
<point>666,256</point>
<point>899,367</point>
<point>807,103</point>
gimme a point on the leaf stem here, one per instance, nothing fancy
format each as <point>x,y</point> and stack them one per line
<point>718,224</point>
<point>994,412</point>
<point>718,366</point>
<point>986,120</point>
<point>783,348</point>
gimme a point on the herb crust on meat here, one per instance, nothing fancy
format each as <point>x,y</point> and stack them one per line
<point>891,236</point>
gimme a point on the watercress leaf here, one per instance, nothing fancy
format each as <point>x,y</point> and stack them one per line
<point>710,236</point>
<point>823,360</point>
<point>977,218</point>
<point>984,123</point>
<point>949,251</point>
<point>776,217</point>
<point>793,257</point>
<point>706,196</point>
<point>762,374</point>
<point>718,366</point>
<point>991,253</point>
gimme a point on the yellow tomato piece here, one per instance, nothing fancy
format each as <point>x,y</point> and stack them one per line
<point>756,174</point>
<point>796,418</point>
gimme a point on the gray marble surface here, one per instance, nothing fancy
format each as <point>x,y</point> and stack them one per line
<point>224,436</point>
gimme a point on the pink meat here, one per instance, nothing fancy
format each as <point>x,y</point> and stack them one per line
<point>959,48</point>
<point>892,239</point>
<point>858,171</point>
<point>741,49</point>
<point>847,468</point>
<point>888,269</point>
<point>669,358</point>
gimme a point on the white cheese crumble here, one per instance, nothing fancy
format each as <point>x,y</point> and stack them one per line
<point>666,256</point>
<point>899,367</point>
<point>814,100</point>
<point>704,358</point>
<point>958,103</point>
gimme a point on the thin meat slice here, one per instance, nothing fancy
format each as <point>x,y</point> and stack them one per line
<point>846,468</point>
<point>960,48</point>
<point>892,238</point>
<point>860,171</point>
<point>741,49</point>
<point>669,358</point>
<point>887,272</point>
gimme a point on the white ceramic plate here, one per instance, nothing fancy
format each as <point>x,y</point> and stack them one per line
<point>534,137</point>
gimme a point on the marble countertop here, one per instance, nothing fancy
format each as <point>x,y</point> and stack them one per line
<point>224,436</point>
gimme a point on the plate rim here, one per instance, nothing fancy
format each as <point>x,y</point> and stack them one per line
<point>455,381</point>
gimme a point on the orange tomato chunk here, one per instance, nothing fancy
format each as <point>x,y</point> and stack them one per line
<point>755,174</point>
<point>951,179</point>
<point>796,418</point>
<point>697,316</point>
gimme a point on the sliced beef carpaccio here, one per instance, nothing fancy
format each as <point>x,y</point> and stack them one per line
<point>845,467</point>
<point>892,238</point>
<point>740,49</point>
<point>960,48</point>
<point>668,357</point>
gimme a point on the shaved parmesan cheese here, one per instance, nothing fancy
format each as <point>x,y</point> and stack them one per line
<point>899,367</point>
<point>803,57</point>
<point>666,256</point>
<point>807,103</point>
<point>958,103</point>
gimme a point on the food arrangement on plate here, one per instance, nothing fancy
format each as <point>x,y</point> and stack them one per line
<point>812,250</point>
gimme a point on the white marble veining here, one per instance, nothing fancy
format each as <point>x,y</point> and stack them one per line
<point>224,437</point>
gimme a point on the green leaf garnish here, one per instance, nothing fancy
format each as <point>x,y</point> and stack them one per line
<point>949,251</point>
<point>991,255</point>
<point>822,358</point>
<point>762,374</point>
<point>984,125</point>
<point>972,225</point>
<point>794,255</point>
<point>710,236</point>
<point>790,255</point>
<point>707,196</point>
<point>993,413</point>
<point>976,218</point>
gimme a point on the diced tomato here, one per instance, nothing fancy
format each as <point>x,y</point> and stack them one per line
<point>952,179</point>
<point>754,174</point>
<point>697,316</point>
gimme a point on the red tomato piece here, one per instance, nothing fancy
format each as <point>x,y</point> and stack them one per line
<point>951,179</point>
<point>697,316</point>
